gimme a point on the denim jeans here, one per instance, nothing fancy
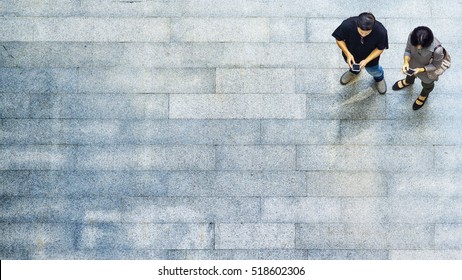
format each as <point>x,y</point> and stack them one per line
<point>375,71</point>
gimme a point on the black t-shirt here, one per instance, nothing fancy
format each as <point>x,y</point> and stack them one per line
<point>348,32</point>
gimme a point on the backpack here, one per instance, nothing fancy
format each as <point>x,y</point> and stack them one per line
<point>446,63</point>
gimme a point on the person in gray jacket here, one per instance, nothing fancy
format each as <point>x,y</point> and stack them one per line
<point>423,53</point>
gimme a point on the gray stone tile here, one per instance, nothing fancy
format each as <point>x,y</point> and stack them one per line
<point>14,105</point>
<point>439,106</point>
<point>397,9</point>
<point>255,236</point>
<point>162,55</point>
<point>130,254</point>
<point>237,106</point>
<point>448,237</point>
<point>400,132</point>
<point>95,131</point>
<point>146,80</point>
<point>347,254</point>
<point>36,80</point>
<point>294,132</point>
<point>16,29</point>
<point>426,209</point>
<point>36,237</point>
<point>426,254</point>
<point>145,131</point>
<point>15,253</point>
<point>372,210</point>
<point>400,28</point>
<point>146,236</point>
<point>100,210</point>
<point>319,30</point>
<point>145,157</point>
<point>61,254</point>
<point>97,183</point>
<point>234,254</point>
<point>363,158</point>
<point>49,54</point>
<point>428,184</point>
<point>244,183</point>
<point>278,55</point>
<point>220,30</point>
<point>218,8</point>
<point>392,61</point>
<point>261,157</point>
<point>366,104</point>
<point>32,210</point>
<point>451,10</point>
<point>267,80</point>
<point>346,184</point>
<point>448,157</point>
<point>287,30</point>
<point>199,55</point>
<point>117,113</point>
<point>114,106</point>
<point>217,132</point>
<point>192,210</point>
<point>45,105</point>
<point>315,81</point>
<point>60,210</point>
<point>84,29</point>
<point>101,8</point>
<point>14,183</point>
<point>301,210</point>
<point>31,131</point>
<point>438,26</point>
<point>364,236</point>
<point>103,29</point>
<point>40,157</point>
<point>41,8</point>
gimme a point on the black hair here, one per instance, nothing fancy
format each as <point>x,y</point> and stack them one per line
<point>366,21</point>
<point>422,35</point>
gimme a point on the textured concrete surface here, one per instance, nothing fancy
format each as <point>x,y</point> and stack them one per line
<point>217,129</point>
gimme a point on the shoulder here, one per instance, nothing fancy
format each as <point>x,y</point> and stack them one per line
<point>350,22</point>
<point>378,26</point>
<point>436,47</point>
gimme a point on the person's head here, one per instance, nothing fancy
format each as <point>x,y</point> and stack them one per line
<point>365,23</point>
<point>422,37</point>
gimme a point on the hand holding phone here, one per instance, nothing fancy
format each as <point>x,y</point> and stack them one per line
<point>410,72</point>
<point>355,67</point>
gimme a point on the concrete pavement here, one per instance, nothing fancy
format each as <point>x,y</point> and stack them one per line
<point>214,129</point>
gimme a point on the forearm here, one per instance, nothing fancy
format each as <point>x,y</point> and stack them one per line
<point>342,45</point>
<point>407,59</point>
<point>373,55</point>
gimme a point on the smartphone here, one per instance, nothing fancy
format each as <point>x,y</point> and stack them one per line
<point>410,72</point>
<point>355,67</point>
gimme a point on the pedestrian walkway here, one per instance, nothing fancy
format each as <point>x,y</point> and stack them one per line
<point>218,129</point>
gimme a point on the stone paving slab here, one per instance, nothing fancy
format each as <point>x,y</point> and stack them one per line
<point>216,129</point>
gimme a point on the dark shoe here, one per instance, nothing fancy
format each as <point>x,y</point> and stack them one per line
<point>421,99</point>
<point>347,77</point>
<point>381,86</point>
<point>400,85</point>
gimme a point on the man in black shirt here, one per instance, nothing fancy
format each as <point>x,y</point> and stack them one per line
<point>362,40</point>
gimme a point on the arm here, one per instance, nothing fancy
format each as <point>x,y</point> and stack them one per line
<point>342,45</point>
<point>373,55</point>
<point>407,58</point>
<point>438,56</point>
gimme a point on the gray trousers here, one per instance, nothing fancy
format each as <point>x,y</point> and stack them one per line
<point>427,88</point>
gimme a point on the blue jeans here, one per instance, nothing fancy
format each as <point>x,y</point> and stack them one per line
<point>375,71</point>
